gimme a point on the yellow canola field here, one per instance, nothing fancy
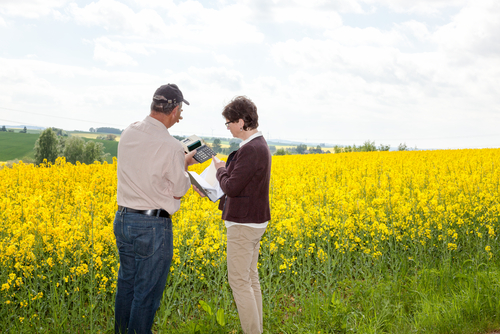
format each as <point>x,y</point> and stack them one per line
<point>56,222</point>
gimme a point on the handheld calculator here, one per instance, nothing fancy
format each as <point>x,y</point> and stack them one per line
<point>203,152</point>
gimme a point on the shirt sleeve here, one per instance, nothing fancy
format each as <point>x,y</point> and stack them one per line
<point>176,174</point>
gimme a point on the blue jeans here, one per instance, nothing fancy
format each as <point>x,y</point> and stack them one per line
<point>145,246</point>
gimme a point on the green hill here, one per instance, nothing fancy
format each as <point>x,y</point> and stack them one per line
<point>15,145</point>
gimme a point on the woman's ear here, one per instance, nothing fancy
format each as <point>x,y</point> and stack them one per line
<point>241,123</point>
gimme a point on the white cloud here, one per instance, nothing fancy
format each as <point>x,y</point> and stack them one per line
<point>31,8</point>
<point>428,7</point>
<point>414,28</point>
<point>223,59</point>
<point>309,16</point>
<point>62,91</point>
<point>114,45</point>
<point>118,17</point>
<point>306,12</point>
<point>112,58</point>
<point>187,22</point>
<point>2,22</point>
<point>367,36</point>
<point>474,30</point>
<point>218,77</point>
<point>227,25</point>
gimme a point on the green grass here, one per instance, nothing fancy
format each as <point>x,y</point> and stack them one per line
<point>14,145</point>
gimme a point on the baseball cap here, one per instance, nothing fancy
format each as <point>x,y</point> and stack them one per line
<point>169,93</point>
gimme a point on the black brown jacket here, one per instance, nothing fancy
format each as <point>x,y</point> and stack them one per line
<point>245,182</point>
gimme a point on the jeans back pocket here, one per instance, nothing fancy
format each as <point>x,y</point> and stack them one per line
<point>143,239</point>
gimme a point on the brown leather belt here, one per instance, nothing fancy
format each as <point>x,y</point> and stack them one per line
<point>156,212</point>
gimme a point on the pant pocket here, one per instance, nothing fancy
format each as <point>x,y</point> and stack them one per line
<point>143,240</point>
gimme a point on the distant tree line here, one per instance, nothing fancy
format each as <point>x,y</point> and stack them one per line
<point>53,144</point>
<point>106,130</point>
<point>300,149</point>
<point>368,146</point>
<point>4,129</point>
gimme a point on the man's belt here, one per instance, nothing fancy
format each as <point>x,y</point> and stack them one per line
<point>156,212</point>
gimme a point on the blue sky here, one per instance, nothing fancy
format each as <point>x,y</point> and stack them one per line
<point>421,72</point>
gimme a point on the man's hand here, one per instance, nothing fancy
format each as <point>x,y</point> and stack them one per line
<point>218,163</point>
<point>189,160</point>
<point>198,191</point>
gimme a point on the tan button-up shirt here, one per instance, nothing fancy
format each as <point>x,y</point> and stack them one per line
<point>150,168</point>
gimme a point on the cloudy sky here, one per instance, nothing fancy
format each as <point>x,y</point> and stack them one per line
<point>421,72</point>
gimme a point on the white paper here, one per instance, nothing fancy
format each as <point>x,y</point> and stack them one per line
<point>207,182</point>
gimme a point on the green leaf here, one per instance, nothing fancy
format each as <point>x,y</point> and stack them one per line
<point>206,307</point>
<point>220,317</point>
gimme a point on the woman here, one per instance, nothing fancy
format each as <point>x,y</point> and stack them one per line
<point>244,178</point>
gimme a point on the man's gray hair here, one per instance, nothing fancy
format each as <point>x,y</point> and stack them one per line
<point>164,108</point>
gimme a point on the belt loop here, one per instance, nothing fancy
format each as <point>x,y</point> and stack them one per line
<point>158,212</point>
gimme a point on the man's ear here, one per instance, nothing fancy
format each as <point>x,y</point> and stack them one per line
<point>176,111</point>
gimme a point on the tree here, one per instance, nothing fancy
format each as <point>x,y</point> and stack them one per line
<point>338,149</point>
<point>93,151</point>
<point>368,146</point>
<point>91,130</point>
<point>315,150</point>
<point>352,148</point>
<point>24,130</point>
<point>3,128</point>
<point>73,150</point>
<point>58,131</point>
<point>216,145</point>
<point>384,147</point>
<point>402,147</point>
<point>301,149</point>
<point>233,146</point>
<point>61,145</point>
<point>111,137</point>
<point>272,148</point>
<point>46,147</point>
<point>281,151</point>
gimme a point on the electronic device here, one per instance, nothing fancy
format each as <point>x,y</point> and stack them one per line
<point>203,152</point>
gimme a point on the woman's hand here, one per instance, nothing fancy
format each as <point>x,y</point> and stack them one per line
<point>198,191</point>
<point>218,163</point>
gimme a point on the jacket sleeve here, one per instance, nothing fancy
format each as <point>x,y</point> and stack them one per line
<point>245,167</point>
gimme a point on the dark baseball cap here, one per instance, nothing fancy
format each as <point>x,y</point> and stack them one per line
<point>169,93</point>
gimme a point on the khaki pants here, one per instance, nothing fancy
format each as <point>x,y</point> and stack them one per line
<point>243,245</point>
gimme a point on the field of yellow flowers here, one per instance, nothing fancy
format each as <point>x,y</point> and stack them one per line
<point>337,220</point>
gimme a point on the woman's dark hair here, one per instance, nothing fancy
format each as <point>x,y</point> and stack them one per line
<point>241,107</point>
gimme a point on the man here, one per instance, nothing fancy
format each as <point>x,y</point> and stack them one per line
<point>152,178</point>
